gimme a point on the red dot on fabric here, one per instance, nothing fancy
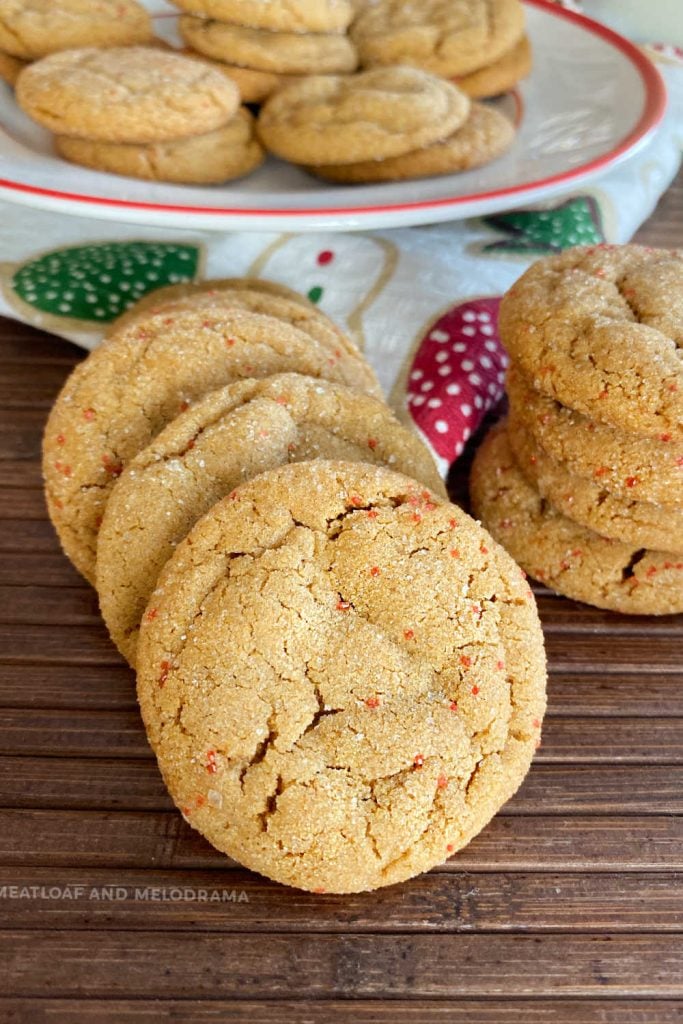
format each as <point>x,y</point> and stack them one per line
<point>325,257</point>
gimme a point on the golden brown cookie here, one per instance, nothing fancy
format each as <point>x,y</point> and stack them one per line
<point>276,15</point>
<point>340,692</point>
<point>31,29</point>
<point>567,557</point>
<point>446,37</point>
<point>625,464</point>
<point>221,155</point>
<point>588,501</point>
<point>10,68</point>
<point>127,390</point>
<point>501,76</point>
<point>484,136</point>
<point>254,86</point>
<point>229,437</point>
<point>126,94</point>
<point>288,53</point>
<point>373,115</point>
<point>600,330</point>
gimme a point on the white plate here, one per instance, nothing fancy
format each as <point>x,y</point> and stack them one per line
<point>592,99</point>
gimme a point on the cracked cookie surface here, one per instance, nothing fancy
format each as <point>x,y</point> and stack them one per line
<point>222,441</point>
<point>600,330</point>
<point>286,53</point>
<point>628,465</point>
<point>126,94</point>
<point>484,136</point>
<point>446,37</point>
<point>569,558</point>
<point>139,379</point>
<point>342,677</point>
<point>31,29</point>
<point>588,500</point>
<point>276,15</point>
<point>372,115</point>
<point>210,159</point>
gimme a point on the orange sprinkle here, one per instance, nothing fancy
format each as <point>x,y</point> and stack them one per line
<point>372,513</point>
<point>455,553</point>
<point>343,606</point>
<point>665,437</point>
<point>601,471</point>
<point>442,781</point>
<point>356,501</point>
<point>536,723</point>
<point>60,439</point>
<point>373,702</point>
<point>452,523</point>
<point>418,760</point>
<point>375,571</point>
<point>211,765</point>
<point>229,342</point>
<point>409,633</point>
<point>475,690</point>
<point>484,550</point>
<point>465,660</point>
<point>450,847</point>
<point>500,665</point>
<point>151,615</point>
<point>88,414</point>
<point>165,669</point>
<point>453,706</point>
<point>631,481</point>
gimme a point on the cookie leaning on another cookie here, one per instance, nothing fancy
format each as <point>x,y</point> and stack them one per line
<point>31,29</point>
<point>221,155</point>
<point>600,330</point>
<point>139,379</point>
<point>373,115</point>
<point>446,37</point>
<point>501,76</point>
<point>288,53</point>
<point>276,15</point>
<point>134,94</point>
<point>333,698</point>
<point>484,136</point>
<point>225,439</point>
<point>567,557</point>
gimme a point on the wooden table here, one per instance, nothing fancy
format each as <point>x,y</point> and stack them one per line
<point>568,908</point>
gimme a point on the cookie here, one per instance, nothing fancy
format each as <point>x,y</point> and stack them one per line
<point>340,692</point>
<point>589,502</point>
<point>31,29</point>
<point>484,136</point>
<point>10,68</point>
<point>254,86</point>
<point>229,437</point>
<point>221,155</point>
<point>446,37</point>
<point>601,330</point>
<point>370,116</point>
<point>117,400</point>
<point>501,76</point>
<point>569,558</point>
<point>288,53</point>
<point>260,297</point>
<point>625,464</point>
<point>134,94</point>
<point>276,15</point>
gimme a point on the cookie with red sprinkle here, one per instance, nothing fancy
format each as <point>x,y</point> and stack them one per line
<point>348,754</point>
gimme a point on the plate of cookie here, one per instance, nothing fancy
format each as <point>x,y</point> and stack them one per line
<point>311,114</point>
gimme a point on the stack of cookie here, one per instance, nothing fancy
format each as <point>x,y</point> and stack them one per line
<point>342,675</point>
<point>479,44</point>
<point>387,124</point>
<point>584,482</point>
<point>31,29</point>
<point>143,112</point>
<point>262,46</point>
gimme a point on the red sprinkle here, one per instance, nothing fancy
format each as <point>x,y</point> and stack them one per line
<point>60,439</point>
<point>452,523</point>
<point>679,461</point>
<point>652,571</point>
<point>484,550</point>
<point>453,706</point>
<point>418,760</point>
<point>88,414</point>
<point>536,723</point>
<point>631,481</point>
<point>409,633</point>
<point>151,615</point>
<point>373,702</point>
<point>343,606</point>
<point>442,781</point>
<point>211,765</point>
<point>533,460</point>
<point>113,468</point>
<point>229,342</point>
<point>372,443</point>
<point>375,571</point>
<point>604,393</point>
<point>465,660</point>
<point>475,690</point>
<point>665,437</point>
<point>200,801</point>
<point>500,665</point>
<point>356,501</point>
<point>450,847</point>
<point>372,513</point>
<point>601,470</point>
<point>673,387</point>
<point>184,405</point>
<point>455,553</point>
<point>165,669</point>
<point>417,517</point>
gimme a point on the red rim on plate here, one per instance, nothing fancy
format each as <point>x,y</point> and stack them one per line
<point>651,117</point>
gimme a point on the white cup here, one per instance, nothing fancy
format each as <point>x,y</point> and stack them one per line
<point>646,21</point>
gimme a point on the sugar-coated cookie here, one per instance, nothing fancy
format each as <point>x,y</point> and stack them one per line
<point>370,116</point>
<point>342,677</point>
<point>600,330</point>
<point>484,136</point>
<point>229,437</point>
<point>447,37</point>
<point>569,558</point>
<point>126,94</point>
<point>288,53</point>
<point>221,155</point>
<point>117,400</point>
<point>501,76</point>
<point>31,29</point>
<point>276,15</point>
<point>10,67</point>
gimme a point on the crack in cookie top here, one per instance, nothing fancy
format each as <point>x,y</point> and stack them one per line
<point>229,437</point>
<point>342,676</point>
<point>601,330</point>
<point>139,379</point>
<point>446,37</point>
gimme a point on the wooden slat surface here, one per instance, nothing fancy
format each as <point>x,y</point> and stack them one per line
<point>567,909</point>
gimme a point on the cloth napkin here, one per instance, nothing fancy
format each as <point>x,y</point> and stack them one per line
<point>421,302</point>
